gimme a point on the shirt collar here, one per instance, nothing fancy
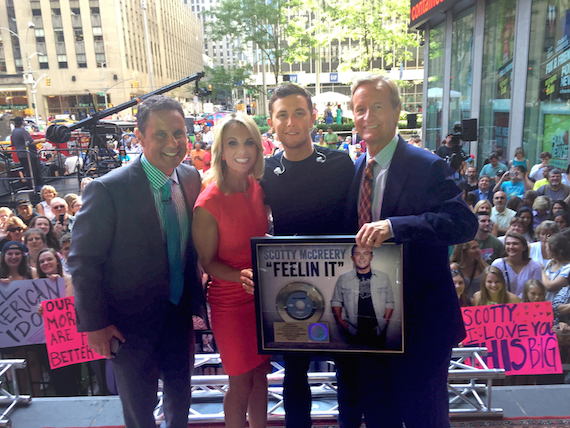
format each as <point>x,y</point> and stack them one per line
<point>384,157</point>
<point>156,177</point>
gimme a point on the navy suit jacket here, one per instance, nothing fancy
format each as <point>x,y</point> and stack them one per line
<point>118,256</point>
<point>427,214</point>
<point>489,193</point>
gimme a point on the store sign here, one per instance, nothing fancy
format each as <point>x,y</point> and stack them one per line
<point>422,10</point>
<point>13,107</point>
<point>556,83</point>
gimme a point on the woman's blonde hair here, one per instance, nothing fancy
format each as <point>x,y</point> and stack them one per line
<point>218,171</point>
<point>483,202</point>
<point>15,221</point>
<point>48,187</point>
<point>7,211</point>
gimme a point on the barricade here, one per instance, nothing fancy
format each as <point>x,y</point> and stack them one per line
<point>8,376</point>
<point>470,384</point>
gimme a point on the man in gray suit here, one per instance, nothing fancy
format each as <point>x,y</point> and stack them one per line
<point>135,280</point>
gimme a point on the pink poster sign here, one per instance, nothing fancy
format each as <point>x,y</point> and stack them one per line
<point>65,345</point>
<point>518,337</point>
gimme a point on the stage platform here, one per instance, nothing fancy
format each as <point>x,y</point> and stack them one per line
<point>516,401</point>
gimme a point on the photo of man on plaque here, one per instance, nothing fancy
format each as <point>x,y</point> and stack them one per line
<point>363,301</point>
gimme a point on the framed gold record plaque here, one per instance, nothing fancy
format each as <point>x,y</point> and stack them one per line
<point>326,295</point>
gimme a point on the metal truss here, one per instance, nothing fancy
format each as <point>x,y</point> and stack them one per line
<point>469,385</point>
<point>8,375</point>
<point>469,379</point>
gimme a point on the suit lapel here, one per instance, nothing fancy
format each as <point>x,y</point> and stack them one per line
<point>143,200</point>
<point>396,181</point>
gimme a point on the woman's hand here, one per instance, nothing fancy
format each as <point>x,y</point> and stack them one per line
<point>40,309</point>
<point>53,276</point>
<point>6,280</point>
<point>246,278</point>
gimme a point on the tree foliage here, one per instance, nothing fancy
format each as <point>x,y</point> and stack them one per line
<point>379,27</point>
<point>273,26</point>
<point>284,32</point>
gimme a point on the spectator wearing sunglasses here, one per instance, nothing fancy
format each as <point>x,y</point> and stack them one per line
<point>15,229</point>
<point>62,222</point>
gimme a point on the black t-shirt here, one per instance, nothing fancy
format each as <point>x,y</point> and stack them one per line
<point>366,315</point>
<point>19,138</point>
<point>308,197</point>
<point>464,185</point>
<point>443,151</point>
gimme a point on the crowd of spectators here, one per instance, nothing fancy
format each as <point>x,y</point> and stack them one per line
<point>35,243</point>
<point>521,251</point>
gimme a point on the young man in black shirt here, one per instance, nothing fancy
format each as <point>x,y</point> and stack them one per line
<point>306,188</point>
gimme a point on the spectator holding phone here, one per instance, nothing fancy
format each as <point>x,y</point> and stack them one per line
<point>62,222</point>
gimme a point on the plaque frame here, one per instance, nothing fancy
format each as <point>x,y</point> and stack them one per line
<point>290,272</point>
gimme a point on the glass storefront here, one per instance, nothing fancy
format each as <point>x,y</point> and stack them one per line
<point>498,51</point>
<point>547,109</point>
<point>432,114</point>
<point>461,66</point>
<point>79,106</point>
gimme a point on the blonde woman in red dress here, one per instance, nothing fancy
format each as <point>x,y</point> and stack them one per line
<point>227,214</point>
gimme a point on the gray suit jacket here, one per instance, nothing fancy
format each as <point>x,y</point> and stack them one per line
<point>118,256</point>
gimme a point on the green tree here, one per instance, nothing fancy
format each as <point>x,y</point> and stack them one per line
<point>378,29</point>
<point>277,27</point>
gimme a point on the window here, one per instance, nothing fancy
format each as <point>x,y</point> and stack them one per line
<point>82,60</point>
<point>59,35</point>
<point>94,11</point>
<point>62,61</point>
<point>100,58</point>
<point>39,32</point>
<point>75,11</point>
<point>36,12</point>
<point>97,31</point>
<point>56,12</point>
<point>78,34</point>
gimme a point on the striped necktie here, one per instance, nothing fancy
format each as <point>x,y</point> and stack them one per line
<point>365,200</point>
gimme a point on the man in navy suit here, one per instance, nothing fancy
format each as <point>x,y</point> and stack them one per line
<point>135,279</point>
<point>413,199</point>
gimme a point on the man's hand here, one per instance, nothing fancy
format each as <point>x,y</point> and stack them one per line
<point>246,278</point>
<point>100,340</point>
<point>373,234</point>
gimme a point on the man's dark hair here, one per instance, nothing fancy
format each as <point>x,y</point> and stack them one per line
<point>481,213</point>
<point>18,121</point>
<point>481,176</point>
<point>493,155</point>
<point>286,90</point>
<point>65,238</point>
<point>521,168</point>
<point>155,103</point>
<point>544,155</point>
<point>555,171</point>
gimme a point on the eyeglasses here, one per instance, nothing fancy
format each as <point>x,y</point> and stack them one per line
<point>17,229</point>
<point>58,207</point>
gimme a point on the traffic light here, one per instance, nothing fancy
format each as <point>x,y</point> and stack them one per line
<point>132,83</point>
<point>136,83</point>
<point>209,89</point>
<point>48,81</point>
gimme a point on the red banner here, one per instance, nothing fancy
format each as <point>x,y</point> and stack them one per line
<point>518,337</point>
<point>65,345</point>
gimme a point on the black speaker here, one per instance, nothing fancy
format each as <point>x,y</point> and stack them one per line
<point>469,129</point>
<point>286,78</point>
<point>412,120</point>
<point>115,77</point>
<point>73,78</point>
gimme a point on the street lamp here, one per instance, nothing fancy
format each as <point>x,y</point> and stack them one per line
<point>149,57</point>
<point>28,75</point>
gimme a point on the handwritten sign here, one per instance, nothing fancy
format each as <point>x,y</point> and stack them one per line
<point>65,345</point>
<point>518,337</point>
<point>20,323</point>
